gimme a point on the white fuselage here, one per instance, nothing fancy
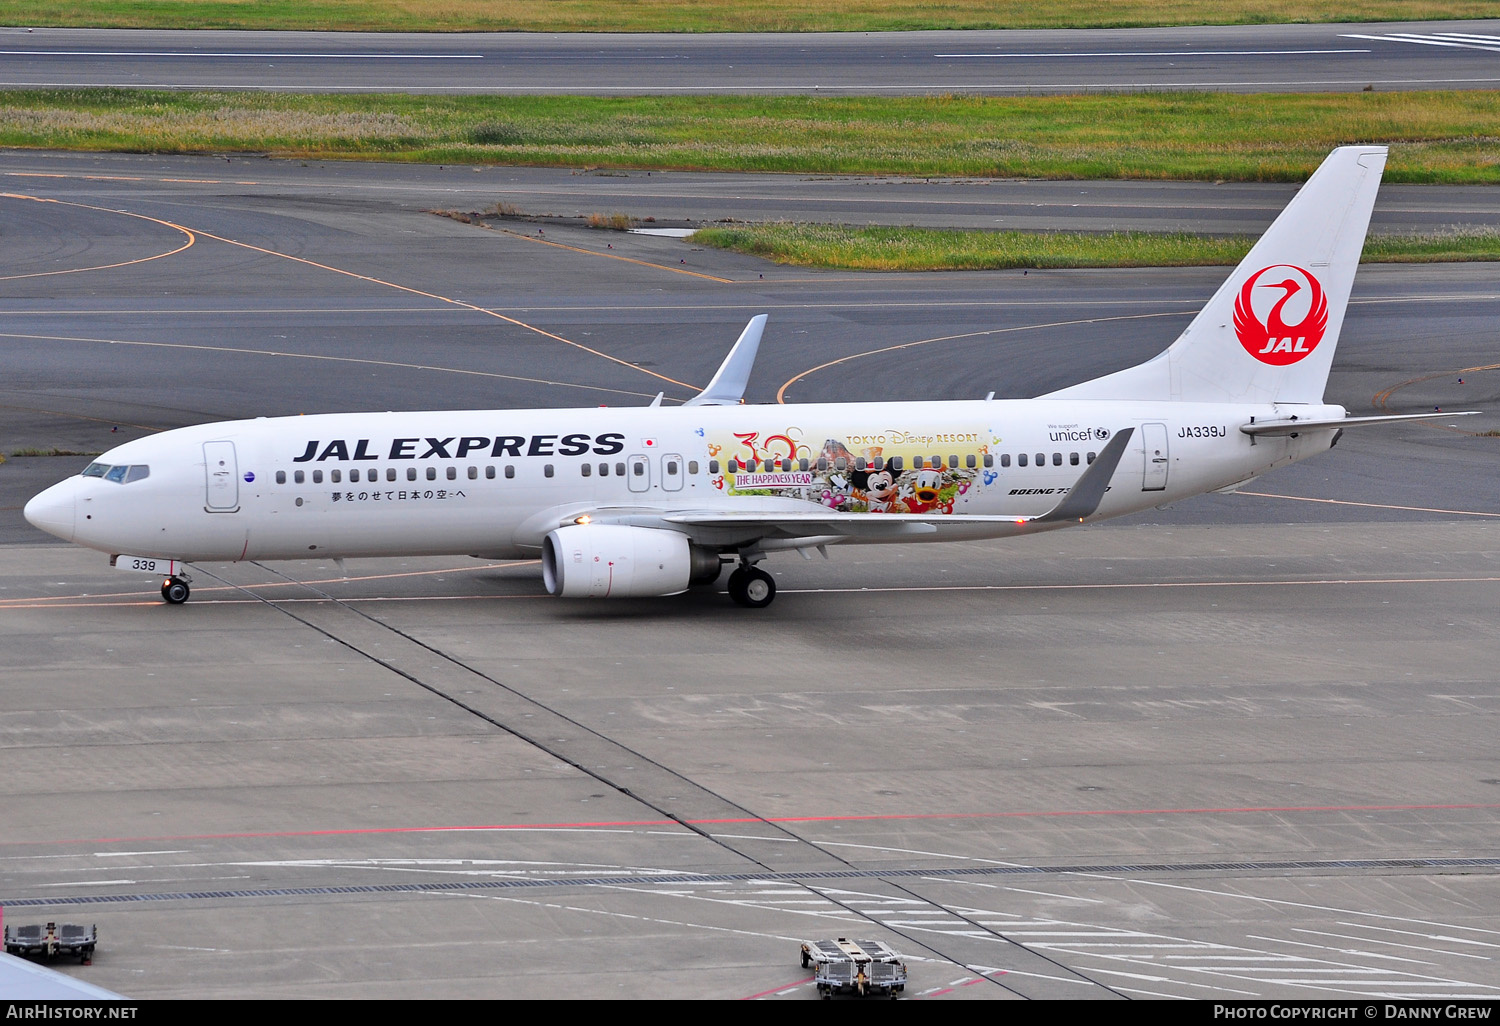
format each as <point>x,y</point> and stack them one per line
<point>493,483</point>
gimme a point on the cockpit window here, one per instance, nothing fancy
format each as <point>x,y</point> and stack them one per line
<point>123,474</point>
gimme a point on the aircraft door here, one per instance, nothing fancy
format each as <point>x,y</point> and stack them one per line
<point>671,473</point>
<point>221,471</point>
<point>638,474</point>
<point>1157,458</point>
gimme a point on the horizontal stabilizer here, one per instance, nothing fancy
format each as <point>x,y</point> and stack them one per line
<point>1083,499</point>
<point>1292,427</point>
<point>728,386</point>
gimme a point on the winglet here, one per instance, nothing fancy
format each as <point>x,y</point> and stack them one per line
<point>728,386</point>
<point>1084,497</point>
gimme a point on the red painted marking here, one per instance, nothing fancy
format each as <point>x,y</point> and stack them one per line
<point>778,990</point>
<point>637,823</point>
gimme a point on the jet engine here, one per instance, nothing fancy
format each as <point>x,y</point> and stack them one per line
<point>614,561</point>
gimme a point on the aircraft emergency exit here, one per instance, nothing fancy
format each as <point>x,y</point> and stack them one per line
<point>651,501</point>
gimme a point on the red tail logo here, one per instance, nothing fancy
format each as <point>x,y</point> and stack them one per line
<point>1264,312</point>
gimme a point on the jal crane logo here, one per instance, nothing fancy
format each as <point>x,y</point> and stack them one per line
<point>1280,314</point>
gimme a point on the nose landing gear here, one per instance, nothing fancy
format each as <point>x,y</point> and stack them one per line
<point>751,587</point>
<point>175,590</point>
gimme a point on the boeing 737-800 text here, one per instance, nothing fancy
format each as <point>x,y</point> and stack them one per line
<point>651,501</point>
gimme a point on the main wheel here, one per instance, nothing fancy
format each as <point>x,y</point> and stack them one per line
<point>175,591</point>
<point>752,587</point>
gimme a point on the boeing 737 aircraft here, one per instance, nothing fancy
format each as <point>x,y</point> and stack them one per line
<point>651,501</point>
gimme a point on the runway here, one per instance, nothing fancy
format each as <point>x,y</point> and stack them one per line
<point>1241,747</point>
<point>1258,58</point>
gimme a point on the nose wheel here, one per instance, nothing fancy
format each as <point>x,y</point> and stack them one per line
<point>752,587</point>
<point>175,590</point>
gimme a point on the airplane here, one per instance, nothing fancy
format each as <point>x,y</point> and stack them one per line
<point>652,501</point>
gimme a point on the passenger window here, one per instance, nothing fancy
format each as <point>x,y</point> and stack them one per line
<point>298,477</point>
<point>473,473</point>
<point>638,468</point>
<point>897,463</point>
<point>453,474</point>
<point>335,475</point>
<point>546,471</point>
<point>432,473</point>
<point>1041,459</point>
<point>619,470</point>
<point>1073,458</point>
<point>693,468</point>
<point>281,477</point>
<point>1092,456</point>
<point>411,473</point>
<point>390,473</point>
<point>489,473</point>
<point>713,466</point>
<point>969,461</point>
<point>822,462</point>
<point>672,468</point>
<point>859,463</point>
<point>510,471</point>
<point>353,475</point>
<point>802,463</point>
<point>734,466</point>
<point>604,470</point>
<point>116,474</point>
<point>1057,459</point>
<point>1021,460</point>
<point>918,463</point>
<point>1004,460</point>
<point>587,468</point>
<point>317,477</point>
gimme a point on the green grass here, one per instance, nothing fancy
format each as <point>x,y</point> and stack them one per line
<point>1447,137</point>
<point>19,453</point>
<point>712,15</point>
<point>924,249</point>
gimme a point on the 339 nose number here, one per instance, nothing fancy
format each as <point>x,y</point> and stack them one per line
<point>147,565</point>
<point>1203,431</point>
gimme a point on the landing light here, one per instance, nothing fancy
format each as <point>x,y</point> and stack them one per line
<point>585,519</point>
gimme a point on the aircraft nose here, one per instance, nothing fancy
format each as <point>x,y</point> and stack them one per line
<point>54,511</point>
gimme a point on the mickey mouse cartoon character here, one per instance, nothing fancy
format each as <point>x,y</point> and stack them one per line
<point>879,486</point>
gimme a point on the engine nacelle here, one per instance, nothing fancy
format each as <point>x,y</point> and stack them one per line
<point>614,561</point>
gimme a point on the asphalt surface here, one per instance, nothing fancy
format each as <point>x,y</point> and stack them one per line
<point>1239,747</point>
<point>1260,58</point>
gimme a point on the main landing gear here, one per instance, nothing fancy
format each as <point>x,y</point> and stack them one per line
<point>752,587</point>
<point>175,590</point>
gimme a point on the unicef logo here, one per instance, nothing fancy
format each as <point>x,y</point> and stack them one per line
<point>1101,433</point>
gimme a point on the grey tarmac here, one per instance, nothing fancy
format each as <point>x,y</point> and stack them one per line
<point>1341,57</point>
<point>1241,747</point>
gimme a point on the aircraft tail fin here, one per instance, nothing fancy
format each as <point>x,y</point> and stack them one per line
<point>1269,333</point>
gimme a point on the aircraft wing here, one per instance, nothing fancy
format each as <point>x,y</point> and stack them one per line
<point>778,518</point>
<point>728,386</point>
<point>21,980</point>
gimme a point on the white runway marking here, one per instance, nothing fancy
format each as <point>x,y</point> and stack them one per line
<point>1161,53</point>
<point>1461,40</point>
